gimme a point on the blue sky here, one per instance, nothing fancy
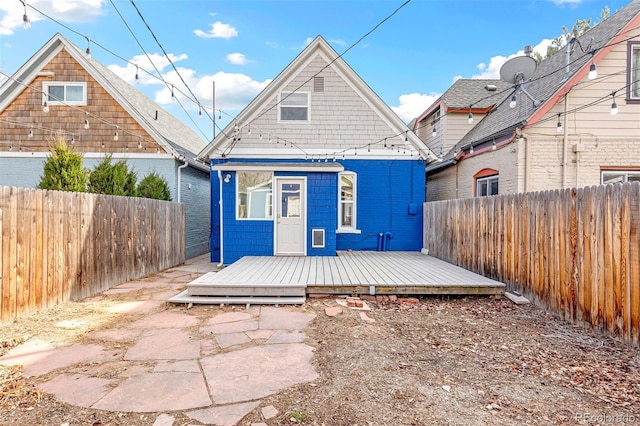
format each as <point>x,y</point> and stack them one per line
<point>409,60</point>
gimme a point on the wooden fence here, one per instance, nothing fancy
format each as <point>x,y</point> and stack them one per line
<point>61,246</point>
<point>574,251</point>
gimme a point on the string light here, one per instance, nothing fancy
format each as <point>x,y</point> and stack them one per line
<point>86,124</point>
<point>88,51</point>
<point>73,140</point>
<point>115,134</point>
<point>493,146</point>
<point>45,106</point>
<point>26,22</point>
<point>137,77</point>
<point>593,68</point>
<point>559,126</point>
<point>470,116</point>
<point>30,133</point>
<point>200,113</point>
<point>614,105</point>
<point>513,102</point>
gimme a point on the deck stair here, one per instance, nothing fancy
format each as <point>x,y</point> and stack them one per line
<point>210,291</point>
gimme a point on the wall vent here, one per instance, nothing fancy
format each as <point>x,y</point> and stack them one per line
<point>318,84</point>
<point>317,238</point>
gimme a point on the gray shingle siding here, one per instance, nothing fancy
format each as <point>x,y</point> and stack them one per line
<point>195,195</point>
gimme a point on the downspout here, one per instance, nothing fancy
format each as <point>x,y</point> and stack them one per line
<point>527,162</point>
<point>179,174</point>
<point>221,264</point>
<point>565,143</point>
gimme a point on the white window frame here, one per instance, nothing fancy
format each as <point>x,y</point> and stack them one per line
<point>282,103</point>
<point>488,180</point>
<point>634,73</point>
<point>65,84</point>
<point>624,174</point>
<point>268,208</point>
<point>354,202</point>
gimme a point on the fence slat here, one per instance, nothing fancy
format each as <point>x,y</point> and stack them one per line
<point>59,246</point>
<point>573,251</point>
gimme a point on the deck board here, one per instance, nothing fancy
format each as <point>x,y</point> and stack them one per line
<point>356,272</point>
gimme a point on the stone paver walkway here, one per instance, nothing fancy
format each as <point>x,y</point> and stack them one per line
<point>215,368</point>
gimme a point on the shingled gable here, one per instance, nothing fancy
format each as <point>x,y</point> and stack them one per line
<point>468,93</point>
<point>169,132</point>
<point>318,47</point>
<point>549,81</point>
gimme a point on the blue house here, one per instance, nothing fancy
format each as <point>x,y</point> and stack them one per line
<point>315,164</point>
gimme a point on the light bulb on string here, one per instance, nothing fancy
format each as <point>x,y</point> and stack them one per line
<point>30,135</point>
<point>559,126</point>
<point>200,113</point>
<point>86,124</point>
<point>593,70</point>
<point>137,77</point>
<point>88,51</point>
<point>45,106</point>
<point>614,105</point>
<point>513,102</point>
<point>26,22</point>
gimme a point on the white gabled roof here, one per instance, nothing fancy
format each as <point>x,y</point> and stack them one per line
<point>318,46</point>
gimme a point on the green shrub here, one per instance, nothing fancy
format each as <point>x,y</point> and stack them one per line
<point>113,179</point>
<point>63,169</point>
<point>154,186</point>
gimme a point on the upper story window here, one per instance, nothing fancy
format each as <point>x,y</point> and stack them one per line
<point>65,92</point>
<point>294,106</point>
<point>347,201</point>
<point>254,195</point>
<point>633,71</point>
<point>486,182</point>
<point>620,176</point>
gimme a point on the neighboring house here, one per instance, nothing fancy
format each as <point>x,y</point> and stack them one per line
<point>316,163</point>
<point>61,93</point>
<point>446,121</point>
<point>560,132</point>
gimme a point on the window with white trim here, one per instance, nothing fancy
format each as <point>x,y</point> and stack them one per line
<point>294,106</point>
<point>633,73</point>
<point>254,195</point>
<point>487,186</point>
<point>620,176</point>
<point>65,92</point>
<point>347,201</point>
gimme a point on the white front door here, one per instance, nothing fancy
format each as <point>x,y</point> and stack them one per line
<point>291,206</point>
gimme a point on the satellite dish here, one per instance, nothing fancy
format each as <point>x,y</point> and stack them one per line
<point>517,70</point>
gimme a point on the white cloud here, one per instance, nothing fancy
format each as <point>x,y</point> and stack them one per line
<point>218,30</point>
<point>414,104</point>
<point>61,10</point>
<point>271,44</point>
<point>128,72</point>
<point>233,90</point>
<point>492,71</point>
<point>237,59</point>
<point>338,42</point>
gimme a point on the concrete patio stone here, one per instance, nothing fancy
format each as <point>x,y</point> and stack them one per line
<point>164,420</point>
<point>136,307</point>
<point>232,339</point>
<point>255,372</point>
<point>189,366</point>
<point>230,327</point>
<point>260,334</point>
<point>286,336</point>
<point>39,357</point>
<point>121,369</point>
<point>77,389</point>
<point>228,415</point>
<point>164,344</point>
<point>282,318</point>
<point>229,317</point>
<point>151,392</point>
<point>166,319</point>
<point>269,412</point>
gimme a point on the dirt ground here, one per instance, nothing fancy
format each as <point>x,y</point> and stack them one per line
<point>457,361</point>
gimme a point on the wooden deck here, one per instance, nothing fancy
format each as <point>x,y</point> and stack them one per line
<point>352,273</point>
